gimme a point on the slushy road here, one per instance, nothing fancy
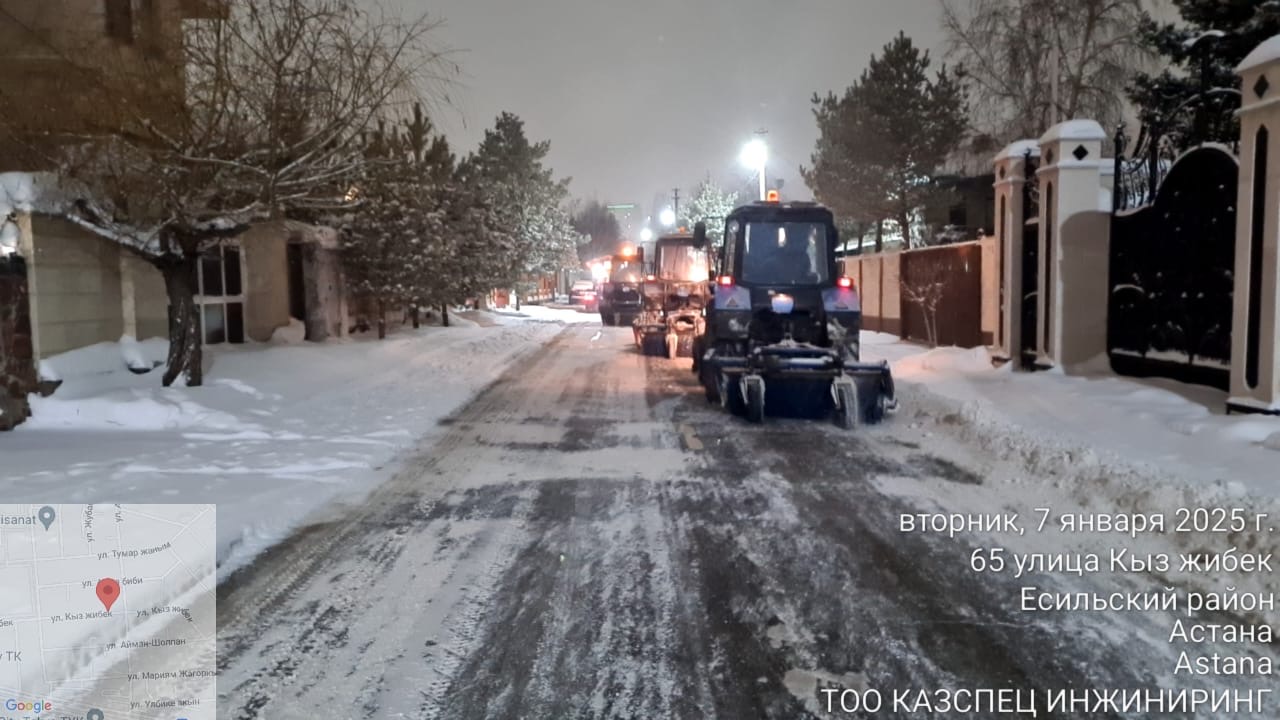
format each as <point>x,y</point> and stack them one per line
<point>592,539</point>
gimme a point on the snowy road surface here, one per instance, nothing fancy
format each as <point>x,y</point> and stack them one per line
<point>588,538</point>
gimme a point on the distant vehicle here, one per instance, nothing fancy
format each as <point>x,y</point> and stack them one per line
<point>675,294</point>
<point>782,315</point>
<point>583,293</point>
<point>619,294</point>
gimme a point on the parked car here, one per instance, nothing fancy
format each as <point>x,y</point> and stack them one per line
<point>583,293</point>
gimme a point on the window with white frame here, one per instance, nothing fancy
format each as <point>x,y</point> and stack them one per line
<point>220,294</point>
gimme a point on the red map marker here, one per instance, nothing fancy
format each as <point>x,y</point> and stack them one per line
<point>108,591</point>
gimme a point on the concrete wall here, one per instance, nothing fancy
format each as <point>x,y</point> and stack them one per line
<point>878,287</point>
<point>991,262</point>
<point>891,309</point>
<point>75,287</point>
<point>1084,288</point>
<point>144,298</point>
<point>265,251</point>
<point>1255,334</point>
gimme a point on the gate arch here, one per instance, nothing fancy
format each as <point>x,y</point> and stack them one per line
<point>1171,276</point>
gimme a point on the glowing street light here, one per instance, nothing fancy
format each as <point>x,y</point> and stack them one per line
<point>755,155</point>
<point>667,217</point>
<point>646,235</point>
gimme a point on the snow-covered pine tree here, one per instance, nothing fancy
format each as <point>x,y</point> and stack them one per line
<point>382,241</point>
<point>398,248</point>
<point>711,205</point>
<point>530,229</point>
<point>881,143</point>
<point>1201,53</point>
<point>595,222</point>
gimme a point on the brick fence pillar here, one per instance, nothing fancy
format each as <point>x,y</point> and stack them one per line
<point>17,353</point>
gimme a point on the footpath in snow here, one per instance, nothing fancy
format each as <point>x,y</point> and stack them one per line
<point>278,431</point>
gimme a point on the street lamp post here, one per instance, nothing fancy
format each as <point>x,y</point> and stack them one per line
<point>755,155</point>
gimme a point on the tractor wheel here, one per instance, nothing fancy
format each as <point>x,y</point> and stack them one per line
<point>848,409</point>
<point>729,394</point>
<point>755,399</point>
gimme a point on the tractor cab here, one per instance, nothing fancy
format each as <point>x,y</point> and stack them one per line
<point>782,315</point>
<point>620,292</point>
<point>675,293</point>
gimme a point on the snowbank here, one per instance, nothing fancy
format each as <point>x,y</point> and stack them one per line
<point>104,359</point>
<point>549,314</point>
<point>277,432</point>
<point>292,334</point>
<point>1088,444</point>
<point>1164,428</point>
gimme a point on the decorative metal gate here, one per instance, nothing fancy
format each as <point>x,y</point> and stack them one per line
<point>1172,261</point>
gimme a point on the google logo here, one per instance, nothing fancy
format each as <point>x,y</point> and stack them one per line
<point>35,707</point>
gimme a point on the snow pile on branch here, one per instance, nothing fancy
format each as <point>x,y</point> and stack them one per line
<point>17,193</point>
<point>22,192</point>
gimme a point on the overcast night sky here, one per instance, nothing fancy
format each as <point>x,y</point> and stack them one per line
<point>639,97</point>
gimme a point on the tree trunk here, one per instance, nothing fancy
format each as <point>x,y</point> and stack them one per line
<point>879,236</point>
<point>382,320</point>
<point>516,294</point>
<point>444,314</point>
<point>904,222</point>
<point>186,347</point>
<point>416,315</point>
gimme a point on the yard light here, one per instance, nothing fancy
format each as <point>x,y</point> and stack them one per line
<point>755,156</point>
<point>646,235</point>
<point>667,217</point>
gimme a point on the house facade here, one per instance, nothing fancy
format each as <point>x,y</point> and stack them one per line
<point>85,289</point>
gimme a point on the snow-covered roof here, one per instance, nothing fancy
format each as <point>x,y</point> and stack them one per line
<point>1074,130</point>
<point>1018,149</point>
<point>1268,51</point>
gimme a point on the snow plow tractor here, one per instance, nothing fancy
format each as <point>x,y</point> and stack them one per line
<point>782,329</point>
<point>675,293</point>
<point>619,296</point>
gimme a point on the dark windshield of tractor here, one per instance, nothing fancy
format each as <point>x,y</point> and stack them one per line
<point>776,253</point>
<point>626,271</point>
<point>683,263</point>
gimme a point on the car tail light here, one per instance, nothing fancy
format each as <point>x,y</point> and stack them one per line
<point>844,281</point>
<point>725,281</point>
